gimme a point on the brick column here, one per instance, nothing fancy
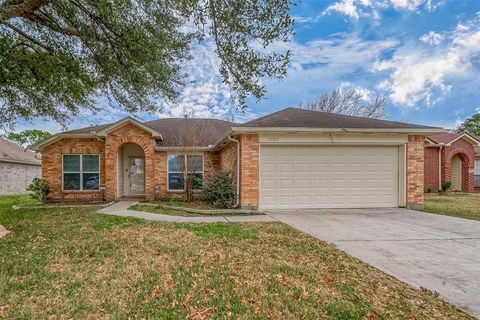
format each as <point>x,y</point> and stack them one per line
<point>249,170</point>
<point>415,169</point>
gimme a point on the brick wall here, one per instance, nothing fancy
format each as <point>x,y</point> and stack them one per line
<point>431,170</point>
<point>466,152</point>
<point>52,170</point>
<point>129,133</point>
<point>249,170</point>
<point>211,164</point>
<point>415,169</point>
<point>228,159</point>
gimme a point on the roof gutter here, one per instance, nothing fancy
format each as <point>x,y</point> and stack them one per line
<point>338,130</point>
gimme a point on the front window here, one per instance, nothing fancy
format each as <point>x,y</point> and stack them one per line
<point>81,172</point>
<point>477,173</point>
<point>181,166</point>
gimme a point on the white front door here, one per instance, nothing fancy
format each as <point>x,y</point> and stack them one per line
<point>136,176</point>
<point>329,176</point>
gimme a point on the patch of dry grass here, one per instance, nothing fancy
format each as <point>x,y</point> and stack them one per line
<point>63,263</point>
<point>457,205</point>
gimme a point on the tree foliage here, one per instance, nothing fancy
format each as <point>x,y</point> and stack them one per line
<point>471,125</point>
<point>349,102</point>
<point>28,137</point>
<point>57,56</point>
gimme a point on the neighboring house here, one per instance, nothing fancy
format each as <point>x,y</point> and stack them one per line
<point>452,157</point>
<point>289,159</point>
<point>18,167</point>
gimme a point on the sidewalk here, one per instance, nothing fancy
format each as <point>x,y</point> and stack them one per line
<point>121,209</point>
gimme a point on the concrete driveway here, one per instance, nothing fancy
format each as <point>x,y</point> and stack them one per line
<point>436,252</point>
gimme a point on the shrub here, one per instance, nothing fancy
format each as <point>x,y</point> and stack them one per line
<point>40,189</point>
<point>446,185</point>
<point>220,191</point>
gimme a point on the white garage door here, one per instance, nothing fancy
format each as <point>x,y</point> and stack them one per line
<point>328,176</point>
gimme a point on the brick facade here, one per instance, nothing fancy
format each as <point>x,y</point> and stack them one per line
<point>225,159</point>
<point>464,150</point>
<point>52,165</point>
<point>228,159</point>
<point>129,133</point>
<point>249,170</point>
<point>415,167</point>
<point>431,170</point>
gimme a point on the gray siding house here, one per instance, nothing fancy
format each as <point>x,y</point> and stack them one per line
<point>18,167</point>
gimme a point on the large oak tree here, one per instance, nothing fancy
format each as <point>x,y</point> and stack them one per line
<point>57,56</point>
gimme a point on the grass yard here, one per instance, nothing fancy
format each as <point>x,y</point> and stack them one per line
<point>458,205</point>
<point>171,212</point>
<point>72,263</point>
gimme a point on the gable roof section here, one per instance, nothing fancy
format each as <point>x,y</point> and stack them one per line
<point>200,132</point>
<point>300,118</point>
<point>102,132</point>
<point>11,152</point>
<point>447,138</point>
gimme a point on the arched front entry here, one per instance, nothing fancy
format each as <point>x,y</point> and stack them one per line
<point>130,171</point>
<point>456,165</point>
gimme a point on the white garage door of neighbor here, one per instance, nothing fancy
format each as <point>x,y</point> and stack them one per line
<point>328,176</point>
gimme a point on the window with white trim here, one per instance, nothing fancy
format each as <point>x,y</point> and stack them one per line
<point>182,165</point>
<point>81,172</point>
<point>476,174</point>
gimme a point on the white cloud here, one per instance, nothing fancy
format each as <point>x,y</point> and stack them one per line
<point>366,94</point>
<point>355,9</point>
<point>424,75</point>
<point>432,38</point>
<point>408,5</point>
<point>346,7</point>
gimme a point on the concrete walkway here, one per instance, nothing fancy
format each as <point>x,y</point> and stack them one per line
<point>436,252</point>
<point>121,209</point>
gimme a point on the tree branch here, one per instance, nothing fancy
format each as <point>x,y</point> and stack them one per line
<point>14,9</point>
<point>26,36</point>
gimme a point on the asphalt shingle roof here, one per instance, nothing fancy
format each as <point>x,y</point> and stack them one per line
<point>294,117</point>
<point>11,152</point>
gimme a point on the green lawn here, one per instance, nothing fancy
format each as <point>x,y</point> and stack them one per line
<point>72,263</point>
<point>457,205</point>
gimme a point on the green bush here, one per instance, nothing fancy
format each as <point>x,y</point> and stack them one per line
<point>40,189</point>
<point>220,191</point>
<point>446,185</point>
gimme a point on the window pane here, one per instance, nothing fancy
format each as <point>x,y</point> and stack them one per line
<point>176,162</point>
<point>477,166</point>
<point>198,181</point>
<point>91,181</point>
<point>71,163</point>
<point>195,163</point>
<point>71,181</point>
<point>477,180</point>
<point>175,181</point>
<point>90,163</point>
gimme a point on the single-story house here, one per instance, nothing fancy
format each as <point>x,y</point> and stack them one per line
<point>454,157</point>
<point>18,167</point>
<point>292,158</point>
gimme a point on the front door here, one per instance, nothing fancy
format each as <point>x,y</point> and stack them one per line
<point>136,176</point>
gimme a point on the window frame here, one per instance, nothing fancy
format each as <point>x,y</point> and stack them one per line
<point>81,172</point>
<point>476,172</point>
<point>185,155</point>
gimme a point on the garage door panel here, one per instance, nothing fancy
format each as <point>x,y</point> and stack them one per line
<point>328,176</point>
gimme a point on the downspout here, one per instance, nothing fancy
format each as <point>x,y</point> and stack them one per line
<point>238,170</point>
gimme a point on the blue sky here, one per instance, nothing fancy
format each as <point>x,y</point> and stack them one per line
<point>423,55</point>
